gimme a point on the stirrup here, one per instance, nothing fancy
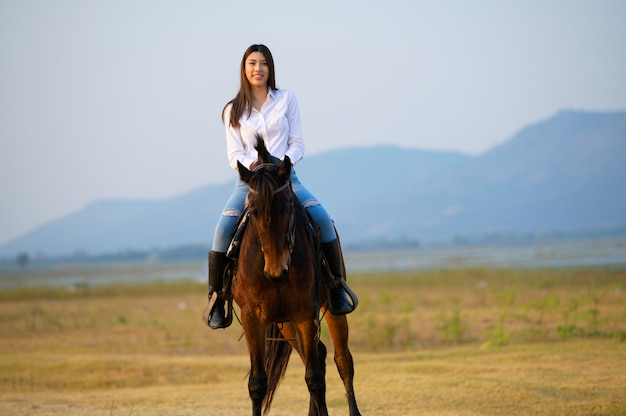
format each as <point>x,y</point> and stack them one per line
<point>353,298</point>
<point>210,308</point>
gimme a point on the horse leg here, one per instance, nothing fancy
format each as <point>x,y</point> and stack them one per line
<point>314,373</point>
<point>338,328</point>
<point>257,382</point>
<point>290,335</point>
<point>321,355</point>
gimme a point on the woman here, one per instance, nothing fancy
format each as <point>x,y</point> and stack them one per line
<point>261,108</point>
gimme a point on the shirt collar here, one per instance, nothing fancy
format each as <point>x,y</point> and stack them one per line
<point>271,93</point>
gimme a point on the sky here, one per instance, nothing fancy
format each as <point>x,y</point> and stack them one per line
<point>119,99</point>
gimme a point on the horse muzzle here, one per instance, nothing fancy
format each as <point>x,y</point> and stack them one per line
<point>281,276</point>
<point>277,271</point>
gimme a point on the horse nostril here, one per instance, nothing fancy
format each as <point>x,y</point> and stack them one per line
<point>272,277</point>
<point>281,276</point>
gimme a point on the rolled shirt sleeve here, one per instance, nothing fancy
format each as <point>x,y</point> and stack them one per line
<point>295,142</point>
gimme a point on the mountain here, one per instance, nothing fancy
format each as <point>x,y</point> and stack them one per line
<point>117,225</point>
<point>564,175</point>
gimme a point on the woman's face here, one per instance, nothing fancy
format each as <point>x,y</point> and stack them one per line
<point>257,69</point>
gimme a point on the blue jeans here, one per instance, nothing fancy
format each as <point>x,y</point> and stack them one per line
<point>234,207</point>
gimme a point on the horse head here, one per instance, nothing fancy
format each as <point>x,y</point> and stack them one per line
<point>271,207</point>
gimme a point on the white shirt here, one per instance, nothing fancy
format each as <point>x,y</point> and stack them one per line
<point>278,122</point>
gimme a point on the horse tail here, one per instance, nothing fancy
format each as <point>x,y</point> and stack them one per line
<point>277,352</point>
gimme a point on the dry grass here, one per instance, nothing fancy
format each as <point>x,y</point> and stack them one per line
<point>464,342</point>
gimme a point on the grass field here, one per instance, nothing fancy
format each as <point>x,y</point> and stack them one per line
<point>449,342</point>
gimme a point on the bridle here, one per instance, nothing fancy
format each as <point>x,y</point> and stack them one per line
<point>291,230</point>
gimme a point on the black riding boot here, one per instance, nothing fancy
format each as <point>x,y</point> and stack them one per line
<point>339,301</point>
<point>217,265</point>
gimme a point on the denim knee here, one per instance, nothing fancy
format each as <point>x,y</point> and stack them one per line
<point>224,230</point>
<point>322,219</point>
<point>228,220</point>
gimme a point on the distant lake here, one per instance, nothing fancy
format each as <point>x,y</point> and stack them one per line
<point>538,255</point>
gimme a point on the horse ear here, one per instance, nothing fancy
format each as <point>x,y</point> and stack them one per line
<point>244,173</point>
<point>284,171</point>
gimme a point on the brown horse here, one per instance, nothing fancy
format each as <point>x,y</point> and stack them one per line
<point>278,288</point>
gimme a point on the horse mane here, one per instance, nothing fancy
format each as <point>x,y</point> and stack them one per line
<point>261,150</point>
<point>263,180</point>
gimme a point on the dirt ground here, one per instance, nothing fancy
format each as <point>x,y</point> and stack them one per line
<point>444,343</point>
<point>573,378</point>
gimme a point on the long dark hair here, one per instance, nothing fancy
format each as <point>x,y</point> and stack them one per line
<point>244,96</point>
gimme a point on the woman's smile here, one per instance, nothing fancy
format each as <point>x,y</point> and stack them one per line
<point>257,69</point>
